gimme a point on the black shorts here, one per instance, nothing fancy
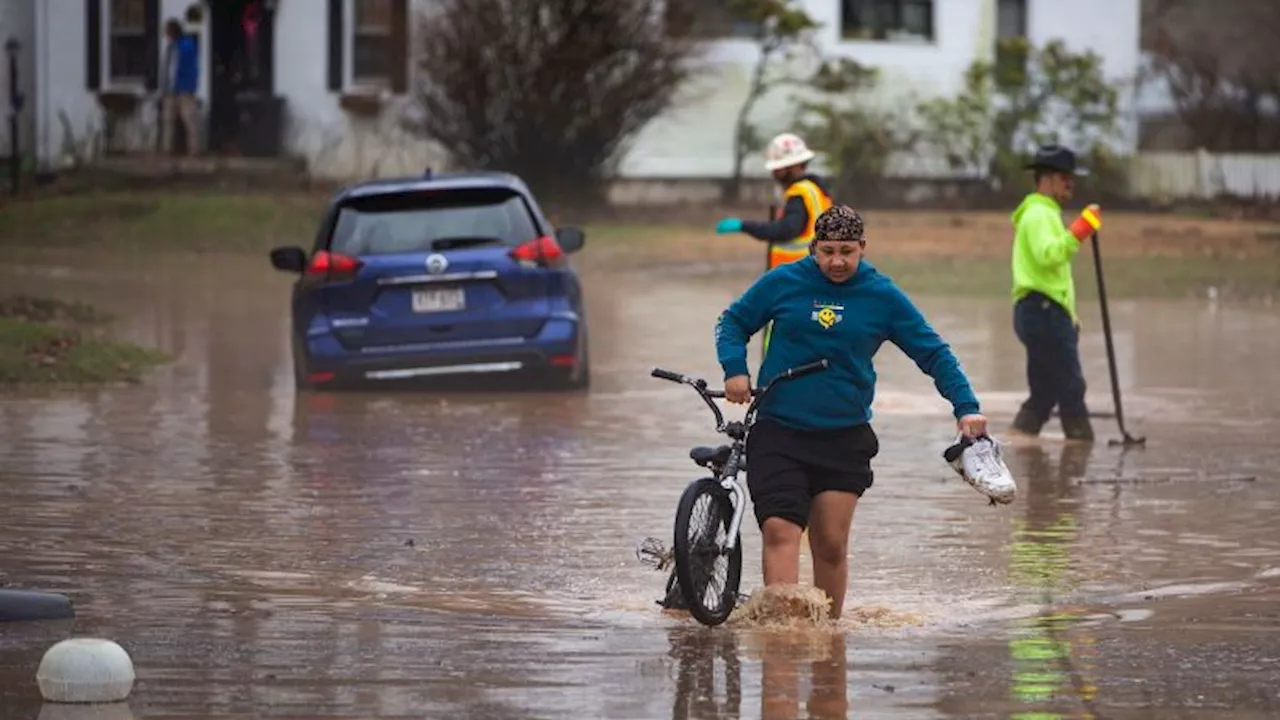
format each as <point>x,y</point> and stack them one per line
<point>786,468</point>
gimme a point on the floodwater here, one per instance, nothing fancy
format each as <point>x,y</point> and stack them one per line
<point>471,555</point>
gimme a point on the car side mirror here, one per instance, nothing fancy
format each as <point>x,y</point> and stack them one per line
<point>570,239</point>
<point>289,259</point>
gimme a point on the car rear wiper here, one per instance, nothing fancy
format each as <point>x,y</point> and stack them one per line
<point>453,243</point>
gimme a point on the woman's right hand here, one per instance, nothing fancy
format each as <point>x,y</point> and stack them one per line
<point>737,389</point>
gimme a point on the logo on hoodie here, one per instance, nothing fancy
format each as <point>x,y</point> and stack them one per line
<point>827,315</point>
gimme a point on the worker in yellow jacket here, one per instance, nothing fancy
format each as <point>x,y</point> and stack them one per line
<point>1044,295</point>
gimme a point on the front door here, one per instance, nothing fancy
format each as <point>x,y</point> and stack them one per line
<point>242,52</point>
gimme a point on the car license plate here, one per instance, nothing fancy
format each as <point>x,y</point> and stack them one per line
<point>441,300</point>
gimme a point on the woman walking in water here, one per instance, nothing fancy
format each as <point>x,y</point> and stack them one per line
<point>809,453</point>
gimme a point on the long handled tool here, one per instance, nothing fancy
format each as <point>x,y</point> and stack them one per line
<point>1128,440</point>
<point>768,247</point>
<point>768,264</point>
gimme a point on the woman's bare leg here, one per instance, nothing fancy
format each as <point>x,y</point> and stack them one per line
<point>829,523</point>
<point>781,555</point>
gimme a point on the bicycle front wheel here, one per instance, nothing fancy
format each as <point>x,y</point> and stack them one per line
<point>708,573</point>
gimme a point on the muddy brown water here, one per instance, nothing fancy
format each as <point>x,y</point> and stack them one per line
<point>472,554</point>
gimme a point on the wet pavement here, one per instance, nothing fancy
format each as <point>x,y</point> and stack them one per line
<point>472,554</point>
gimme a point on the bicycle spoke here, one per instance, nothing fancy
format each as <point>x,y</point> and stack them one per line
<point>719,574</point>
<point>707,536</point>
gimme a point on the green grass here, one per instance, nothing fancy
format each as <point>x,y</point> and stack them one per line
<point>177,221</point>
<point>45,341</point>
<point>188,221</point>
<point>1158,277</point>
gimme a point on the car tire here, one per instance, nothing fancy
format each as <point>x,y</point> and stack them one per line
<point>300,382</point>
<point>583,381</point>
<point>579,380</point>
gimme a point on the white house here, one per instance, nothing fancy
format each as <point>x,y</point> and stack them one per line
<point>922,48</point>
<point>340,68</point>
<point>280,93</point>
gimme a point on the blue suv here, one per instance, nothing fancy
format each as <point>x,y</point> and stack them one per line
<point>443,276</point>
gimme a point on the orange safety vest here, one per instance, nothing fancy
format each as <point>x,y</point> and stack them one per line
<point>816,202</point>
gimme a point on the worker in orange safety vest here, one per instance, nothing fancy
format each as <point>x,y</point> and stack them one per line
<point>805,198</point>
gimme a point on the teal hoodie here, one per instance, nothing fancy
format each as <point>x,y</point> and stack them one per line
<point>846,323</point>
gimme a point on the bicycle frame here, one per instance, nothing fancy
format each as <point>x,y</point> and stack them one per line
<point>727,475</point>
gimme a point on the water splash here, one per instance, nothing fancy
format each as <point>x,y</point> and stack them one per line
<point>794,607</point>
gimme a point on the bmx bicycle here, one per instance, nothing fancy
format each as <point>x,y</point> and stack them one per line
<point>706,548</point>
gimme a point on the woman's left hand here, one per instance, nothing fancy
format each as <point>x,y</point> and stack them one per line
<point>973,426</point>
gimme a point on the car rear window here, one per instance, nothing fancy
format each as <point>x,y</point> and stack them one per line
<point>431,220</point>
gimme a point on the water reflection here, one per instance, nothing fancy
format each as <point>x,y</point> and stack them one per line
<point>783,676</point>
<point>708,683</point>
<point>802,673</point>
<point>1051,663</point>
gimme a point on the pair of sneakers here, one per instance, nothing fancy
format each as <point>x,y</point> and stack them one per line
<point>979,461</point>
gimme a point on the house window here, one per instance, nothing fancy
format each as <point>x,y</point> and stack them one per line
<point>371,43</point>
<point>1011,19</point>
<point>886,20</point>
<point>713,19</point>
<point>368,45</point>
<point>127,56</point>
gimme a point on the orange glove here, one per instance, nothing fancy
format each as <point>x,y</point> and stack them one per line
<point>1089,222</point>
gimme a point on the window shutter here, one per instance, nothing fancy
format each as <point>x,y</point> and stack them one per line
<point>337,35</point>
<point>400,46</point>
<point>153,43</point>
<point>93,44</point>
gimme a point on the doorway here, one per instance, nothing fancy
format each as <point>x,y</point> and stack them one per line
<point>242,76</point>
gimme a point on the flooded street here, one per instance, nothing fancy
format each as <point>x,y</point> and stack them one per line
<point>473,554</point>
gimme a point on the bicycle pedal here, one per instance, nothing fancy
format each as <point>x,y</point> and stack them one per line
<point>653,553</point>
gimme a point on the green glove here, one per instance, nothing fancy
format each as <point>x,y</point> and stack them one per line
<point>729,225</point>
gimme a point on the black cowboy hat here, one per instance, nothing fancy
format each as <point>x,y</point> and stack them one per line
<point>1055,158</point>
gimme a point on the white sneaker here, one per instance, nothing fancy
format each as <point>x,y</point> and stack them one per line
<point>979,462</point>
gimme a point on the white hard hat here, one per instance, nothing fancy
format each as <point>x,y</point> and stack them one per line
<point>786,150</point>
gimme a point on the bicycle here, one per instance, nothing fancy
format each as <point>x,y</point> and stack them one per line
<point>726,503</point>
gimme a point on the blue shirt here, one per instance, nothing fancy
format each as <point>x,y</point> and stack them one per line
<point>186,76</point>
<point>846,323</point>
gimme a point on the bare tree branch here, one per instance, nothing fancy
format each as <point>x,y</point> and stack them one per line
<point>551,90</point>
<point>1219,62</point>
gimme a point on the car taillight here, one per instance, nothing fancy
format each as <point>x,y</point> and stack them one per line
<point>540,252</point>
<point>333,267</point>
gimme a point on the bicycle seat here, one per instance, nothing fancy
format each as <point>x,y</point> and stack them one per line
<point>707,456</point>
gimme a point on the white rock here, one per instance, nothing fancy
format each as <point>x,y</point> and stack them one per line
<point>85,670</point>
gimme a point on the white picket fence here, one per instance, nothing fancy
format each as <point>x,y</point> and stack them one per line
<point>1204,175</point>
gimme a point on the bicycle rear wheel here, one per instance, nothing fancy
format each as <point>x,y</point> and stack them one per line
<point>708,574</point>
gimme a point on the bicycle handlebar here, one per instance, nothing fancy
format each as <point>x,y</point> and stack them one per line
<point>668,375</point>
<point>700,385</point>
<point>802,370</point>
